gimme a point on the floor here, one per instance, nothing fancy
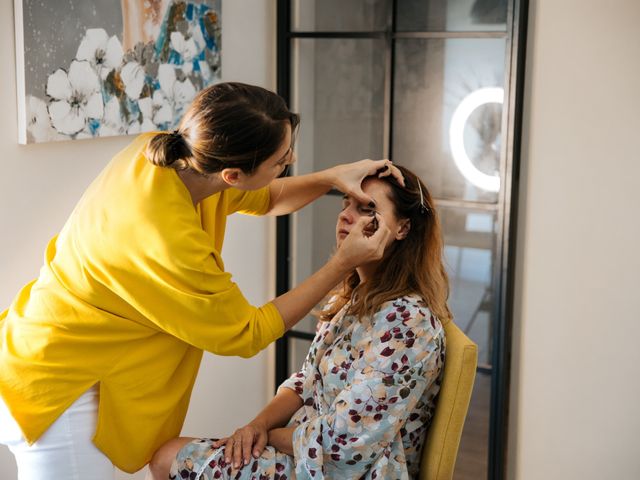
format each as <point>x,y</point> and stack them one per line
<point>474,446</point>
<point>470,278</point>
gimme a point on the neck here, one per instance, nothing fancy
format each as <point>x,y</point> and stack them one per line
<point>200,186</point>
<point>365,272</point>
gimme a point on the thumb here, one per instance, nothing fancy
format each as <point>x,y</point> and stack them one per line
<point>362,197</point>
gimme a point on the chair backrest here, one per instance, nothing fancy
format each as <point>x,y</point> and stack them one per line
<point>443,438</point>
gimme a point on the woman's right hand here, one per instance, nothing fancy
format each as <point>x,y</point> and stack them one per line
<point>361,246</point>
<point>245,441</point>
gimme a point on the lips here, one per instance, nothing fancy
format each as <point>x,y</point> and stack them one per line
<point>342,231</point>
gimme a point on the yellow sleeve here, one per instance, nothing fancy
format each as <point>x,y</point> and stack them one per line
<point>248,202</point>
<point>181,288</point>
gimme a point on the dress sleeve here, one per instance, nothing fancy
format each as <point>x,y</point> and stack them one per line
<point>401,359</point>
<point>300,382</point>
<point>297,380</point>
<point>248,202</point>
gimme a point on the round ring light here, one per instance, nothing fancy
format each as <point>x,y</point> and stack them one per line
<point>468,105</point>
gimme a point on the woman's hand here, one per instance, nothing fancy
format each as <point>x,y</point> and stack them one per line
<point>245,441</point>
<point>363,244</point>
<point>348,177</point>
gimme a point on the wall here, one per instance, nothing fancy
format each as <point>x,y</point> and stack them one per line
<point>577,363</point>
<point>575,367</point>
<point>39,185</point>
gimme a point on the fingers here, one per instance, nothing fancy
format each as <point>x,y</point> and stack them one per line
<point>361,197</point>
<point>233,449</point>
<point>238,448</point>
<point>391,169</point>
<point>247,443</point>
<point>377,237</point>
<point>237,452</point>
<point>362,246</point>
<point>384,168</point>
<point>372,226</point>
<point>382,232</point>
<point>260,444</point>
<point>228,450</point>
<point>219,442</point>
<point>361,224</point>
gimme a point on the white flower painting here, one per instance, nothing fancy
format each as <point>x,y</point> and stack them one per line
<point>75,98</point>
<point>131,71</point>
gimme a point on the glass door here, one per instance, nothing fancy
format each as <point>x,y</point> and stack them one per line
<point>433,85</point>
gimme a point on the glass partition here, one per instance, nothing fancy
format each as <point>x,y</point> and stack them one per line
<point>339,15</point>
<point>447,114</point>
<point>451,15</point>
<point>338,89</point>
<point>431,84</point>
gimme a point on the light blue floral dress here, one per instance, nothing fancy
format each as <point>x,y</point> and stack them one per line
<point>368,389</point>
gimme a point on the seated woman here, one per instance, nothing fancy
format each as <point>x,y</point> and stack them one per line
<point>364,398</point>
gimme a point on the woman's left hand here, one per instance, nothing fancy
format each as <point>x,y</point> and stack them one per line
<point>348,177</point>
<point>245,441</point>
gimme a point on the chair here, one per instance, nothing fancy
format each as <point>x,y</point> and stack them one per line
<point>443,437</point>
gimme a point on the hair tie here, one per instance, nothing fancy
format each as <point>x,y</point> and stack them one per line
<point>177,146</point>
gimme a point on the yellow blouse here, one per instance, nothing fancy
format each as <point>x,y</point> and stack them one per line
<point>132,290</point>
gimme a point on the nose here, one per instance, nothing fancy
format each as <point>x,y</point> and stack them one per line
<point>346,216</point>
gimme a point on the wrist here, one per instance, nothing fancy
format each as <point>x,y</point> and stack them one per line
<point>328,178</point>
<point>272,437</point>
<point>340,264</point>
<point>260,423</point>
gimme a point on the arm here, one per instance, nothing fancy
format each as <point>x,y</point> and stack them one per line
<point>280,410</point>
<point>178,285</point>
<point>290,194</point>
<point>252,438</point>
<point>281,437</point>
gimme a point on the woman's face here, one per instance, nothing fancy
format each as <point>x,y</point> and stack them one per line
<point>273,166</point>
<point>352,210</point>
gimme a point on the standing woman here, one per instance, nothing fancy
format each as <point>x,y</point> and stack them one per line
<point>98,356</point>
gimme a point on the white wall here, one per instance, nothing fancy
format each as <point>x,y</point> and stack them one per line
<point>576,392</point>
<point>39,185</point>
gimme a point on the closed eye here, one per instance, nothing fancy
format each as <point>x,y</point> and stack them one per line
<point>284,157</point>
<point>365,210</point>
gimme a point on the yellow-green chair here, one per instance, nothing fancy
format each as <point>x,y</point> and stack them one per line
<point>443,438</point>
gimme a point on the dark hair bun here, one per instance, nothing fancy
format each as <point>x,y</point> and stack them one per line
<point>167,148</point>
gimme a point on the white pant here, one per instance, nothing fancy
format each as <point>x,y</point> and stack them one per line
<point>65,450</point>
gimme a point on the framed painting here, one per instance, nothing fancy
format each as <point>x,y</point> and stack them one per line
<point>90,68</point>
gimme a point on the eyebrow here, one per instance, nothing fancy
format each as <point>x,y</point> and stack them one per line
<point>348,197</point>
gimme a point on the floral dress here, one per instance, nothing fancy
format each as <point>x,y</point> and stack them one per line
<point>368,389</point>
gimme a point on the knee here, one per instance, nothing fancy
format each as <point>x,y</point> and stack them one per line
<point>160,464</point>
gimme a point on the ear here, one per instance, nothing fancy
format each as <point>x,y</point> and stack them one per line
<point>403,231</point>
<point>232,176</point>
